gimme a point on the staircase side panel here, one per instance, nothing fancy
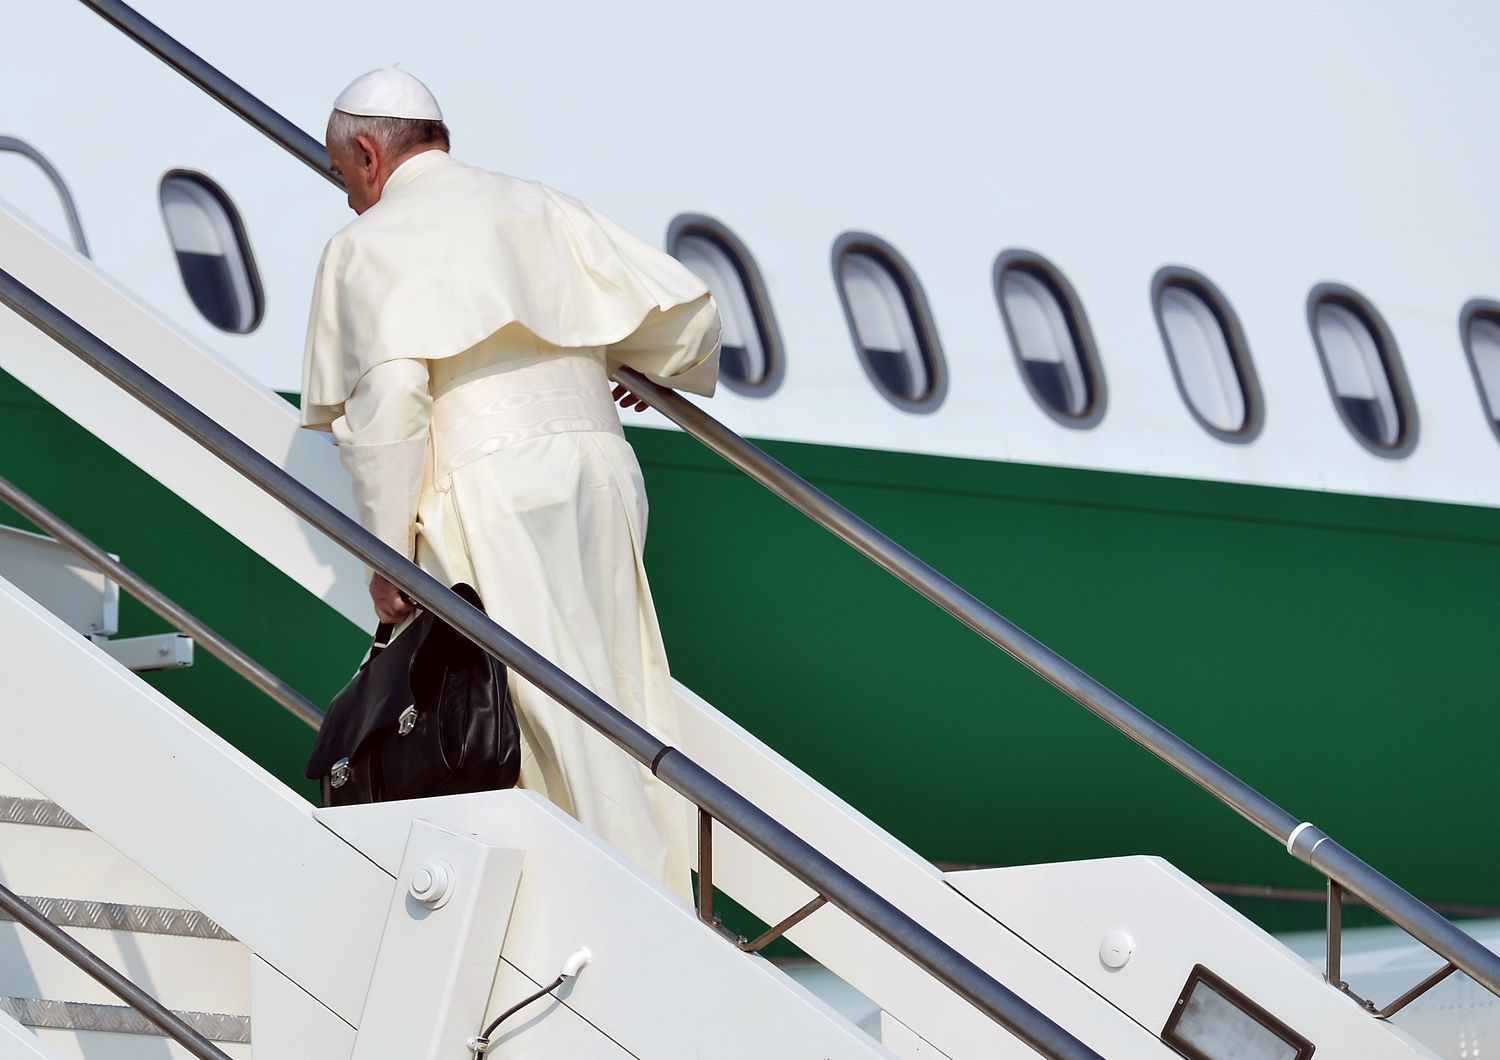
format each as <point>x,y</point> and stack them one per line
<point>256,415</point>
<point>182,803</point>
<point>18,1043</point>
<point>660,983</point>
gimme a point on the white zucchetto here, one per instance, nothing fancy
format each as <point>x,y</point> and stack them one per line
<point>389,93</point>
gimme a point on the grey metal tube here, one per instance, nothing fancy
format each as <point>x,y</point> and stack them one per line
<point>186,62</point>
<point>964,606</point>
<point>904,934</point>
<point>164,1018</point>
<point>162,605</point>
<point>1397,905</point>
<point>70,209</point>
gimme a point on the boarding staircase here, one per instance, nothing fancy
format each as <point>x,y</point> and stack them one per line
<point>130,919</point>
<point>253,923</point>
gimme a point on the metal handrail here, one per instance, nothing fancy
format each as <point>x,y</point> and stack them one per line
<point>163,605</point>
<point>672,766</point>
<point>167,1021</point>
<point>191,66</point>
<point>1302,839</point>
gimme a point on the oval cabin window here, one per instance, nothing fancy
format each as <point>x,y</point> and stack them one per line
<point>750,359</point>
<point>213,253</point>
<point>890,322</point>
<point>1482,339</point>
<point>1208,354</point>
<point>1363,370</point>
<point>1050,336</point>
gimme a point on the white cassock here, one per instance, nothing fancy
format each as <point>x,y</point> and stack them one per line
<point>462,334</point>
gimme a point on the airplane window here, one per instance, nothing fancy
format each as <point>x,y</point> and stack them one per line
<point>1363,369</point>
<point>1208,354</point>
<point>890,322</point>
<point>1482,337</point>
<point>34,187</point>
<point>1051,338</point>
<point>750,357</point>
<point>213,252</point>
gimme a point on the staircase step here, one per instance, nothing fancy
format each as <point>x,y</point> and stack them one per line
<point>42,813</point>
<point>96,1045</point>
<point>113,916</point>
<point>196,974</point>
<point>73,863</point>
<point>118,1019</point>
<point>12,784</point>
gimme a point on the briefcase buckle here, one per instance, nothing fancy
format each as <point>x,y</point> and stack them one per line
<point>338,776</point>
<point>407,721</point>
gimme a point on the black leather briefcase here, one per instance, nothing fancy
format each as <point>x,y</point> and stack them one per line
<point>428,713</point>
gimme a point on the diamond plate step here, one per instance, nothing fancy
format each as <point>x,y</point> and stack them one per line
<point>117,1019</point>
<point>115,916</point>
<point>40,812</point>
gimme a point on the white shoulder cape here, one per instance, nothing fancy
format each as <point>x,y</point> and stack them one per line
<point>451,254</point>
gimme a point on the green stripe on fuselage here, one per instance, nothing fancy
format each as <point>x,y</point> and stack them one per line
<point>1338,652</point>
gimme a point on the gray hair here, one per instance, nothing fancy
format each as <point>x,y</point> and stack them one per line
<point>396,135</point>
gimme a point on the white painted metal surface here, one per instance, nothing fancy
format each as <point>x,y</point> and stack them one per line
<point>255,414</point>
<point>548,1028</point>
<point>311,903</point>
<point>660,984</point>
<point>154,939</point>
<point>98,1046</point>
<point>899,1039</point>
<point>289,1023</point>
<point>10,784</point>
<point>438,957</point>
<point>162,651</point>
<point>18,1043</point>
<point>1069,909</point>
<point>44,570</point>
<point>210,823</point>
<point>49,861</point>
<point>196,975</point>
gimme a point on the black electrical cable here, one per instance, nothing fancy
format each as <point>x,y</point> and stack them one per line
<point>482,1043</point>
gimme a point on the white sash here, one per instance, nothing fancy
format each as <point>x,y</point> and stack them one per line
<point>516,400</point>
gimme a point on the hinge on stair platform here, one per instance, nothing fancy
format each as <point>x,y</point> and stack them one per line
<point>165,651</point>
<point>706,896</point>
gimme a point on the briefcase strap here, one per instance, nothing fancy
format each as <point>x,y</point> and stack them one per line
<point>382,638</point>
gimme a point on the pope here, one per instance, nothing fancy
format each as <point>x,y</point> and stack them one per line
<point>463,330</point>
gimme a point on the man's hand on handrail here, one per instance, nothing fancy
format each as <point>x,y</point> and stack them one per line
<point>391,604</point>
<point>627,399</point>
